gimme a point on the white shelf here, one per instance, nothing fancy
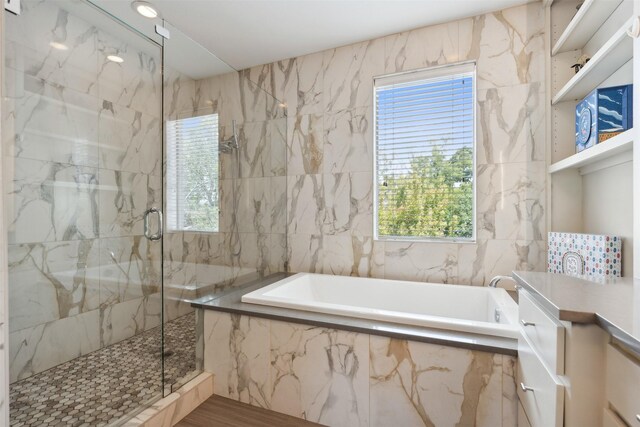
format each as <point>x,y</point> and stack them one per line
<point>619,148</point>
<point>589,18</point>
<point>617,51</point>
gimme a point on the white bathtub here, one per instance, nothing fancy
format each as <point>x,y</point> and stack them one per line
<point>472,309</point>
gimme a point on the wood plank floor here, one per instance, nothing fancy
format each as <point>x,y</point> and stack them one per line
<point>222,412</point>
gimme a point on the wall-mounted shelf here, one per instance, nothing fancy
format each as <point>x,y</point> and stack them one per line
<point>612,55</point>
<point>589,18</point>
<point>619,147</point>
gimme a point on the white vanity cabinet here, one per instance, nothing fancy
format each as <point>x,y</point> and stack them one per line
<point>540,360</point>
<point>622,390</point>
<point>561,369</point>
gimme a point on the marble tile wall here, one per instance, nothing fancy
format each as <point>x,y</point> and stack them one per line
<point>81,164</point>
<point>253,197</point>
<point>341,378</point>
<point>329,148</point>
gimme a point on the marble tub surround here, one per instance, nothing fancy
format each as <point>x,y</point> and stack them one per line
<point>328,97</point>
<point>344,378</point>
<point>612,303</point>
<point>231,302</point>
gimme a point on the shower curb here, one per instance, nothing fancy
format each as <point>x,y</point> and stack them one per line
<point>171,409</point>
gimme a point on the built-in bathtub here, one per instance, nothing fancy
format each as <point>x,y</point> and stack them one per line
<point>345,351</point>
<point>471,309</point>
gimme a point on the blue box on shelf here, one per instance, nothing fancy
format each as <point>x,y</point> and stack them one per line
<point>604,113</point>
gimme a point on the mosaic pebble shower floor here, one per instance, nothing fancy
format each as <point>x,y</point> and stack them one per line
<point>100,388</point>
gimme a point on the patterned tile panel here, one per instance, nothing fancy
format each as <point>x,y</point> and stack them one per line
<point>99,388</point>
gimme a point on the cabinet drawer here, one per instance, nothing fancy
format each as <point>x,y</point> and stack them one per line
<point>623,386</point>
<point>609,419</point>
<point>544,397</point>
<point>545,334</point>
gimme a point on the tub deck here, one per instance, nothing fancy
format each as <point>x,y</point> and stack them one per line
<point>231,302</point>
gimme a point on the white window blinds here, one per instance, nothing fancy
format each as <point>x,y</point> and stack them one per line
<point>192,173</point>
<point>424,154</point>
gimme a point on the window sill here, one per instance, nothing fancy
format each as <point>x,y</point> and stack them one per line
<point>471,241</point>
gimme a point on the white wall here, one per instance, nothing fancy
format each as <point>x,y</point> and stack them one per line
<point>606,191</point>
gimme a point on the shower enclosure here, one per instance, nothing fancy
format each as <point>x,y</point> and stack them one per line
<point>97,114</point>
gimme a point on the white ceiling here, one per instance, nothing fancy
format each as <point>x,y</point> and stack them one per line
<point>245,33</point>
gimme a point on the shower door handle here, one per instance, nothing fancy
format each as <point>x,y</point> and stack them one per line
<point>158,234</point>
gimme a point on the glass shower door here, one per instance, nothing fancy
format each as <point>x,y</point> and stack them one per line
<point>82,150</point>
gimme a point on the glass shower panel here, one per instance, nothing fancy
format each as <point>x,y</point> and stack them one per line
<point>82,150</point>
<point>225,190</point>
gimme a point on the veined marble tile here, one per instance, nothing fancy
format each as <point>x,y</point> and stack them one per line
<point>51,281</point>
<point>124,197</point>
<point>50,201</point>
<point>129,140</point>
<point>135,83</point>
<point>422,384</point>
<point>277,253</point>
<point>306,204</point>
<point>255,149</point>
<point>509,395</point>
<point>305,144</point>
<point>228,200</point>
<point>305,253</point>
<point>283,80</point>
<point>348,141</point>
<point>179,95</point>
<point>304,89</point>
<point>46,345</point>
<point>256,103</point>
<point>278,140</point>
<point>237,353</point>
<point>126,319</point>
<point>480,262</point>
<point>278,204</point>
<point>212,249</point>
<point>348,74</point>
<point>353,255</point>
<point>508,46</point>
<point>252,252</point>
<point>425,262</point>
<point>222,93</point>
<point>129,269</point>
<point>422,48</point>
<point>30,41</point>
<point>320,374</point>
<point>511,124</point>
<point>52,123</point>
<point>511,201</point>
<point>253,212</point>
<point>179,272</point>
<point>348,200</point>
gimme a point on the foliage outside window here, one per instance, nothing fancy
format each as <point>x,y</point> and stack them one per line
<point>192,174</point>
<point>425,155</point>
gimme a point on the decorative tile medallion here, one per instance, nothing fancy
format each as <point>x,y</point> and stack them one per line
<point>585,254</point>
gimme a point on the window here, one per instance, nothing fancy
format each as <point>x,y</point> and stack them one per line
<point>424,154</point>
<point>192,173</point>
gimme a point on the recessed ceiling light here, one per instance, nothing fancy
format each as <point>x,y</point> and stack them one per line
<point>115,58</point>
<point>145,9</point>
<point>58,46</point>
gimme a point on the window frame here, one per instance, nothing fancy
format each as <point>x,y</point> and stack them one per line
<point>415,75</point>
<point>179,228</point>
